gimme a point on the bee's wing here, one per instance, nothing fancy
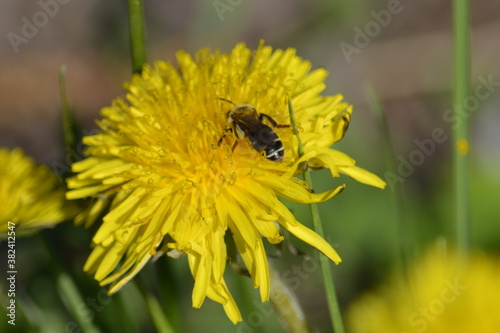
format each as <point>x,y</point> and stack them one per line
<point>262,135</point>
<point>248,125</point>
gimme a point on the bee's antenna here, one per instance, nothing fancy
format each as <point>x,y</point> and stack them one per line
<point>226,100</point>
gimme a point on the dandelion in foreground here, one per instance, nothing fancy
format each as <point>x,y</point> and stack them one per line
<point>193,152</point>
<point>31,195</point>
<point>445,294</point>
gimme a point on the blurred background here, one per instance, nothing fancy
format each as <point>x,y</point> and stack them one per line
<point>402,48</point>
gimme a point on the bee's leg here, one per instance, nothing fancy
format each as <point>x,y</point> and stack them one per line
<point>226,100</point>
<point>234,145</point>
<point>272,121</point>
<point>234,130</point>
<point>224,134</point>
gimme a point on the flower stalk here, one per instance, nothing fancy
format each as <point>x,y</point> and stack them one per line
<point>331,294</point>
<point>461,25</point>
<point>137,34</point>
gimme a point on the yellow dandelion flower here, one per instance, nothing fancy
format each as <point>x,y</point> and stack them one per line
<point>444,295</point>
<point>175,176</point>
<point>31,196</point>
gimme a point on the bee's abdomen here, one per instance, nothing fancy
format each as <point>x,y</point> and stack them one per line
<point>275,152</point>
<point>267,142</point>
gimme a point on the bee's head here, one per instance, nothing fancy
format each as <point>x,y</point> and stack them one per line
<point>245,110</point>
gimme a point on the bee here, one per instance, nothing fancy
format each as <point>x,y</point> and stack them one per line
<point>245,121</point>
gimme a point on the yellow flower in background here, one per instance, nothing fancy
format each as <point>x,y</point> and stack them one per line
<point>174,179</point>
<point>31,196</point>
<point>445,295</point>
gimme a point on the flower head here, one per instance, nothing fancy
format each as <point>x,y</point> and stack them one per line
<point>445,294</point>
<point>175,178</point>
<point>31,196</point>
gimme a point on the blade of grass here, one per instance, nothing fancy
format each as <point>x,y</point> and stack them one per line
<point>137,34</point>
<point>461,29</point>
<point>160,320</point>
<point>404,229</point>
<point>127,300</point>
<point>169,289</point>
<point>70,129</point>
<point>68,289</point>
<point>331,294</point>
<point>75,300</point>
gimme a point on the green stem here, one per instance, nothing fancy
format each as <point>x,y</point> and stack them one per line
<point>137,34</point>
<point>331,294</point>
<point>461,27</point>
